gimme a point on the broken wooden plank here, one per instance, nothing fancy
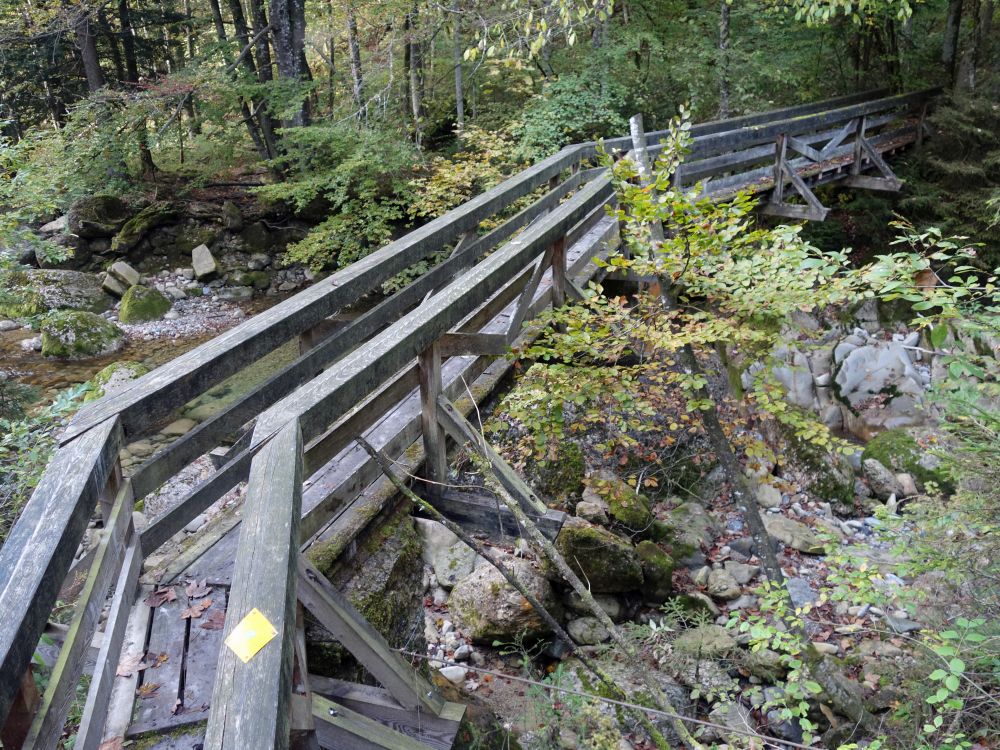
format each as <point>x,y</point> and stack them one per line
<point>484,513</point>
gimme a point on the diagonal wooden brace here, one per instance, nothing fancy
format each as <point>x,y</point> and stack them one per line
<point>783,172</point>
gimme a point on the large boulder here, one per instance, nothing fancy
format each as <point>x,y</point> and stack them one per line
<point>39,291</point>
<point>881,481</point>
<point>628,508</point>
<point>96,216</point>
<point>451,559</point>
<point>657,572</point>
<point>605,561</point>
<point>488,608</point>
<point>204,263</point>
<point>141,304</point>
<point>136,228</point>
<point>77,334</point>
<point>114,377</point>
<point>899,452</point>
<point>793,534</point>
<point>705,641</point>
<point>691,528</point>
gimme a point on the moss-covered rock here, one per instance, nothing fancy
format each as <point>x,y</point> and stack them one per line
<point>899,452</point>
<point>141,304</point>
<point>96,216</point>
<point>37,291</point>
<point>113,377</point>
<point>691,528</point>
<point>705,641</point>
<point>628,508</point>
<point>657,572</point>
<point>136,228</point>
<point>259,280</point>
<point>604,560</point>
<point>828,475</point>
<point>193,235</point>
<point>563,476</point>
<point>76,334</point>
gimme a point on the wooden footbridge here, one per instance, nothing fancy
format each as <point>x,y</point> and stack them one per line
<point>403,374</point>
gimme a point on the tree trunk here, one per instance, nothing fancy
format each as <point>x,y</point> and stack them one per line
<point>112,41</point>
<point>949,49</point>
<point>723,59</point>
<point>457,53</point>
<point>288,32</point>
<point>415,78</point>
<point>128,42</point>
<point>220,26</point>
<point>242,34</point>
<point>88,52</point>
<point>357,82</point>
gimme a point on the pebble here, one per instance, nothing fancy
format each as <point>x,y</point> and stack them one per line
<point>8,325</point>
<point>826,648</point>
<point>32,344</point>
<point>454,675</point>
<point>446,627</point>
<point>463,652</point>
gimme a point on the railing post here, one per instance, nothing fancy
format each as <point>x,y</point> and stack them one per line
<point>435,455</point>
<point>22,713</point>
<point>780,146</point>
<point>859,140</point>
<point>559,272</point>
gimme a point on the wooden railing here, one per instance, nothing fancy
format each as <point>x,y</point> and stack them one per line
<point>311,410</point>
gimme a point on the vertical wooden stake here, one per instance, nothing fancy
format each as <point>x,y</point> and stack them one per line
<point>436,458</point>
<point>859,139</point>
<point>778,195</point>
<point>920,125</point>
<point>110,492</point>
<point>559,272</point>
<point>303,726</point>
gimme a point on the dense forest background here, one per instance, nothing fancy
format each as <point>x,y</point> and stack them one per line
<point>364,118</point>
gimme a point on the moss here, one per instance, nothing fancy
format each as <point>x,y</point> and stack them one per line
<point>141,224</point>
<point>96,216</point>
<point>606,561</point>
<point>113,376</point>
<point>898,451</point>
<point>562,477</point>
<point>657,572</point>
<point>829,476</point>
<point>191,236</point>
<point>257,279</point>
<point>75,334</point>
<point>141,304</point>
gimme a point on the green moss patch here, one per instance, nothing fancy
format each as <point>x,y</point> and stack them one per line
<point>899,452</point>
<point>141,304</point>
<point>608,563</point>
<point>657,572</point>
<point>76,334</point>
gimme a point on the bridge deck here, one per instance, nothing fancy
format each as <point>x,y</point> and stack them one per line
<point>379,376</point>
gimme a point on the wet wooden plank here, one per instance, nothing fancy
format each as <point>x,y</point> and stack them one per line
<point>203,648</point>
<point>155,709</point>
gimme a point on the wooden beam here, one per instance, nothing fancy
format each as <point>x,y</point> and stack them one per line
<point>462,432</point>
<point>435,453</point>
<point>339,616</point>
<point>250,701</point>
<point>41,546</point>
<point>480,344</point>
<point>339,728</point>
<point>484,513</point>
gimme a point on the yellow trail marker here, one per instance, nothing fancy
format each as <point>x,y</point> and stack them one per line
<point>251,635</point>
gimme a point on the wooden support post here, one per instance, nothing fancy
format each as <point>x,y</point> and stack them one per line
<point>251,701</point>
<point>778,194</point>
<point>859,139</point>
<point>559,272</point>
<point>921,124</point>
<point>110,491</point>
<point>435,448</point>
<point>22,711</point>
<point>303,725</point>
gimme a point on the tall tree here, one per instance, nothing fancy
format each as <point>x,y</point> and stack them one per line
<point>86,43</point>
<point>354,49</point>
<point>288,28</point>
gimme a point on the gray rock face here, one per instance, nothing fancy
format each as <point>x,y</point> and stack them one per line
<point>68,290</point>
<point>796,377</point>
<point>705,641</point>
<point>96,216</point>
<point>722,585</point>
<point>768,496</point>
<point>444,552</point>
<point>124,273</point>
<point>793,534</point>
<point>204,264</point>
<point>488,608</point>
<point>55,226</point>
<point>882,386</point>
<point>610,604</point>
<point>881,481</point>
<point>113,286</point>
<point>593,512</point>
<point>800,591</point>
<point>587,631</point>
<point>741,572</point>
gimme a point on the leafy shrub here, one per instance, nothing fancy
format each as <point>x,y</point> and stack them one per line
<point>359,178</point>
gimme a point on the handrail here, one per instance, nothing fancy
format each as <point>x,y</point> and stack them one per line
<point>43,542</point>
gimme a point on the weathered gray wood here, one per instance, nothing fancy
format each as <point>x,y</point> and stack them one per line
<point>41,546</point>
<point>339,728</point>
<point>528,293</point>
<point>157,394</point>
<point>462,432</point>
<point>338,388</point>
<point>485,514</point>
<point>155,709</point>
<point>202,654</point>
<point>435,454</point>
<point>867,182</point>
<point>804,148</point>
<point>433,731</point>
<point>250,701</point>
<point>487,344</point>
<point>119,713</point>
<point>339,616</point>
<point>95,711</point>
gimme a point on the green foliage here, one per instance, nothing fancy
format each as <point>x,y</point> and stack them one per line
<point>359,179</point>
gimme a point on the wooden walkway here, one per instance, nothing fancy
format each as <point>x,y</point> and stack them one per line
<point>401,374</point>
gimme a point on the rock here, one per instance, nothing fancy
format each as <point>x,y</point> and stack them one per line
<point>610,604</point>
<point>203,262</point>
<point>705,641</point>
<point>125,273</point>
<point>56,226</point>
<point>488,608</point>
<point>114,377</point>
<point>882,388</point>
<point>692,527</point>
<point>608,563</point>
<point>800,591</point>
<point>141,304</point>
<point>256,237</point>
<point>881,481</point>
<point>33,344</point>
<point>136,228</point>
<point>657,572</point>
<point>96,216</point>
<point>43,290</point>
<point>259,261</point>
<point>113,286</point>
<point>449,557</point>
<point>826,648</point>
<point>741,572</point>
<point>626,507</point>
<point>77,334</point>
<point>179,427</point>
<point>463,652</point>
<point>722,585</point>
<point>768,496</point>
<point>796,378</point>
<point>765,663</point>
<point>454,675</point>
<point>232,218</point>
<point>587,631</point>
<point>899,452</point>
<point>903,625</point>
<point>236,293</point>
<point>735,716</point>
<point>593,512</point>
<point>794,534</point>
<point>9,325</point>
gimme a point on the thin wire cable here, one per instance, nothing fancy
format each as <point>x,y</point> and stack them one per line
<point>624,704</point>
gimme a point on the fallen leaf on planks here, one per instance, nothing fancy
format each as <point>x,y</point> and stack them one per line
<point>148,689</point>
<point>160,596</point>
<point>198,589</point>
<point>196,609</point>
<point>216,620</point>
<point>129,665</point>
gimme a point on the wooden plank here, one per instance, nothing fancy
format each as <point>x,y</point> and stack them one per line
<point>119,714</point>
<point>159,685</point>
<point>375,703</point>
<point>157,394</point>
<point>794,212</point>
<point>95,711</point>
<point>483,344</point>
<point>200,657</point>
<point>462,432</point>
<point>338,615</point>
<point>250,701</point>
<point>867,182</point>
<point>41,546</point>
<point>339,728</point>
<point>484,513</point>
<point>340,387</point>
<point>804,148</point>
